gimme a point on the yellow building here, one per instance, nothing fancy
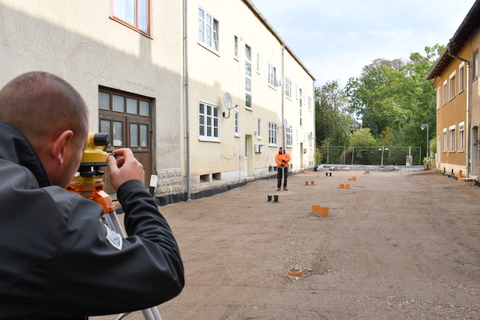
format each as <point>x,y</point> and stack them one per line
<point>204,92</point>
<point>458,99</point>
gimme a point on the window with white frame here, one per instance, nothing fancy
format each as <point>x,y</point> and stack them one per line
<point>258,62</point>
<point>461,136</point>
<point>461,77</point>
<point>235,46</point>
<point>309,103</point>
<point>237,124</point>
<point>300,104</point>
<point>439,97</point>
<point>248,77</point>
<point>445,92</point>
<point>135,14</point>
<point>289,136</point>
<point>452,81</point>
<point>452,138</point>
<point>272,133</point>
<point>272,75</point>
<point>207,30</point>
<point>288,88</point>
<point>259,129</point>
<point>208,122</point>
<point>475,65</point>
<point>445,142</point>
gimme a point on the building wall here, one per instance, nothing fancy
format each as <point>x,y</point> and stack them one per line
<point>451,117</point>
<point>475,110</point>
<point>79,41</point>
<point>232,157</point>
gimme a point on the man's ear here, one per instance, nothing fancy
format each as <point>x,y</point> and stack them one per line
<point>60,145</point>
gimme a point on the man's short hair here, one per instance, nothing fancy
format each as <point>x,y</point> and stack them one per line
<point>41,104</point>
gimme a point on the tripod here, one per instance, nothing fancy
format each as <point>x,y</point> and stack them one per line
<point>89,184</point>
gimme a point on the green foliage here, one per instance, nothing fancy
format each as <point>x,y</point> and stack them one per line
<point>392,98</point>
<point>333,122</point>
<point>362,138</point>
<point>319,156</point>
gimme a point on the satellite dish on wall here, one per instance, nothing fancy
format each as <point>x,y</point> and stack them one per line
<point>285,123</point>
<point>227,101</point>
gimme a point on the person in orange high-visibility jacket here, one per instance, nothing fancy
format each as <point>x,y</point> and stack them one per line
<point>282,159</point>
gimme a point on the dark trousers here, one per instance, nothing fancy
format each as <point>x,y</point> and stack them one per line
<point>282,172</point>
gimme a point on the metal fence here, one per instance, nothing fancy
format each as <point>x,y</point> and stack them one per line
<point>383,155</point>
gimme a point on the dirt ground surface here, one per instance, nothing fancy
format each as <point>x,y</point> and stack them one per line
<point>395,245</point>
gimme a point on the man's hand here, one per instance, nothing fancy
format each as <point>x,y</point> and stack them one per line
<point>124,168</point>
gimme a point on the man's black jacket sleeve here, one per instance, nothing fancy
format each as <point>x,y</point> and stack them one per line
<point>91,274</point>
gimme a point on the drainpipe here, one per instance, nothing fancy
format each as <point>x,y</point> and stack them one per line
<point>187,96</point>
<point>467,102</point>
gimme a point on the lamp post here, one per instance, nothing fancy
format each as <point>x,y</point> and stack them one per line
<point>423,126</point>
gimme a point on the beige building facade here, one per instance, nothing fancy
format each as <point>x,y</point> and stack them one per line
<point>458,99</point>
<point>204,92</point>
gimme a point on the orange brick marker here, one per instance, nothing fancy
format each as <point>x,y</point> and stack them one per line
<point>324,212</point>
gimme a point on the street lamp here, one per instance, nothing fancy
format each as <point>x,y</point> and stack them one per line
<point>423,126</point>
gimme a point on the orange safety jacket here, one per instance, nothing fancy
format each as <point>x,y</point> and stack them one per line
<point>279,157</point>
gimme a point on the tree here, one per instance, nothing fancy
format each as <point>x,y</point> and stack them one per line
<point>331,117</point>
<point>393,98</point>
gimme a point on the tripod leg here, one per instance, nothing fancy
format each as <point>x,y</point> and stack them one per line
<point>111,220</point>
<point>151,314</point>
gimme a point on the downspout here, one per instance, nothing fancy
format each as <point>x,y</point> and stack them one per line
<point>467,102</point>
<point>187,96</point>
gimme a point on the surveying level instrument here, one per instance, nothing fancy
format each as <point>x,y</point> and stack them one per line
<point>88,183</point>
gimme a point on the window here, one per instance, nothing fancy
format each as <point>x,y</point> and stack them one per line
<point>475,66</point>
<point>445,92</point>
<point>237,128</point>
<point>439,97</point>
<point>259,129</point>
<point>289,135</point>
<point>452,138</point>
<point>272,133</point>
<point>300,93</point>
<point>445,140</point>
<point>309,103</point>
<point>235,46</point>
<point>134,13</point>
<point>248,77</point>
<point>461,77</point>
<point>258,62</point>
<point>452,81</point>
<point>208,122</point>
<point>461,137</point>
<point>207,30</point>
<point>272,75</point>
<point>288,88</point>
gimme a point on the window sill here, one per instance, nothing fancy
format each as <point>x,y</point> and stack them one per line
<point>128,25</point>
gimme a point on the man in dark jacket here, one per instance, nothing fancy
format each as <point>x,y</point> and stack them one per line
<point>57,260</point>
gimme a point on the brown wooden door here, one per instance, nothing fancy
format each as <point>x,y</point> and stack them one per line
<point>127,118</point>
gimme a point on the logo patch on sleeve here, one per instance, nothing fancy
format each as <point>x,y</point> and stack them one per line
<point>114,238</point>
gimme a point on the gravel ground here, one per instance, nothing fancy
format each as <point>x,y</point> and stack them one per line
<point>395,245</point>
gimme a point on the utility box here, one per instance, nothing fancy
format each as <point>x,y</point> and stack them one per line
<point>409,160</point>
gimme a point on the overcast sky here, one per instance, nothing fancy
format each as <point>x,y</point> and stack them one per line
<point>336,39</point>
